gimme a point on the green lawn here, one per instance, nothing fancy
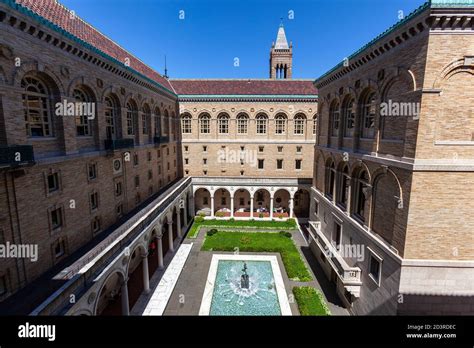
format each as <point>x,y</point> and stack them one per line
<point>278,225</point>
<point>261,242</point>
<point>310,301</point>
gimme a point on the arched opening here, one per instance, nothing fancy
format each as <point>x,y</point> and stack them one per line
<point>330,179</point>
<point>152,254</point>
<point>166,123</point>
<point>157,116</point>
<point>242,203</point>
<point>175,224</point>
<point>109,302</point>
<point>299,124</point>
<point>189,202</point>
<point>146,122</point>
<point>280,123</point>
<point>386,196</point>
<point>361,194</point>
<point>112,117</point>
<point>202,202</point>
<point>204,123</point>
<point>165,238</point>
<point>222,203</point>
<point>301,202</point>
<point>135,276</point>
<point>281,204</point>
<point>261,204</point>
<point>186,123</point>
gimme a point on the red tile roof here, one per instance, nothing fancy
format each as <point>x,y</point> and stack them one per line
<point>61,16</point>
<point>244,87</point>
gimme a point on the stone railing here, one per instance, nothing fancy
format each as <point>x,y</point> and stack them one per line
<point>82,273</point>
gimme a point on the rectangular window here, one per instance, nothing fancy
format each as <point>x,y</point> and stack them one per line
<point>241,201</point>
<point>204,172</point>
<point>299,149</point>
<point>53,182</point>
<point>279,164</point>
<point>280,148</point>
<point>56,218</point>
<point>92,171</point>
<point>375,268</point>
<point>261,163</point>
<point>119,210</point>
<point>186,148</point>
<point>135,159</point>
<point>204,161</point>
<point>186,161</point>
<point>59,249</point>
<point>150,174</point>
<point>149,156</point>
<point>298,164</point>
<point>95,225</point>
<point>94,199</point>
<point>204,149</point>
<point>118,188</point>
<point>137,181</point>
<point>261,148</point>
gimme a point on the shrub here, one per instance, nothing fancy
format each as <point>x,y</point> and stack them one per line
<point>231,219</point>
<point>286,234</point>
<point>260,215</point>
<point>199,219</point>
<point>220,214</point>
<point>280,216</point>
<point>211,232</point>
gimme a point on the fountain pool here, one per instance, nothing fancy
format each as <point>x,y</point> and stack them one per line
<point>244,285</point>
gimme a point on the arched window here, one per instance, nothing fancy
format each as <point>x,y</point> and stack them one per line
<point>349,112</point>
<point>361,194</point>
<point>345,187</point>
<point>205,124</point>
<point>146,119</point>
<point>166,123</point>
<point>300,121</point>
<point>262,124</point>
<point>186,126</point>
<point>37,108</point>
<point>173,124</point>
<point>315,124</point>
<point>242,123</point>
<point>330,179</point>
<point>223,123</point>
<point>131,117</point>
<point>368,116</point>
<point>280,124</point>
<point>335,119</point>
<point>157,116</point>
<point>111,114</point>
<point>83,121</point>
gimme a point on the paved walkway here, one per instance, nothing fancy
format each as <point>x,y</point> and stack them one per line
<point>187,295</point>
<point>159,298</point>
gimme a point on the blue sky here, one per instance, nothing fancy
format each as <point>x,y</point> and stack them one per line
<point>214,32</point>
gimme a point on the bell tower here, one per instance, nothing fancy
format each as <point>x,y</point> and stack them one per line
<point>281,56</point>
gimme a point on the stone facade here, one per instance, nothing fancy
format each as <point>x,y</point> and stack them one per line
<point>393,163</point>
<point>92,185</point>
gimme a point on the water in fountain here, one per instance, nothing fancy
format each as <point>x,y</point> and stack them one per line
<point>245,291</point>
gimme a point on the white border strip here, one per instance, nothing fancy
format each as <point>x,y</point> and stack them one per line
<point>211,278</point>
<point>159,300</point>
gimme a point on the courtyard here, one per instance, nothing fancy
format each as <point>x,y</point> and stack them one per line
<point>302,287</point>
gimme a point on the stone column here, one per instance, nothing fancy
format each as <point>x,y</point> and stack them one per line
<point>212,204</point>
<point>146,275</point>
<point>170,236</point>
<point>231,206</point>
<point>159,244</point>
<point>124,294</point>
<point>291,207</point>
<point>251,206</point>
<point>271,207</point>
